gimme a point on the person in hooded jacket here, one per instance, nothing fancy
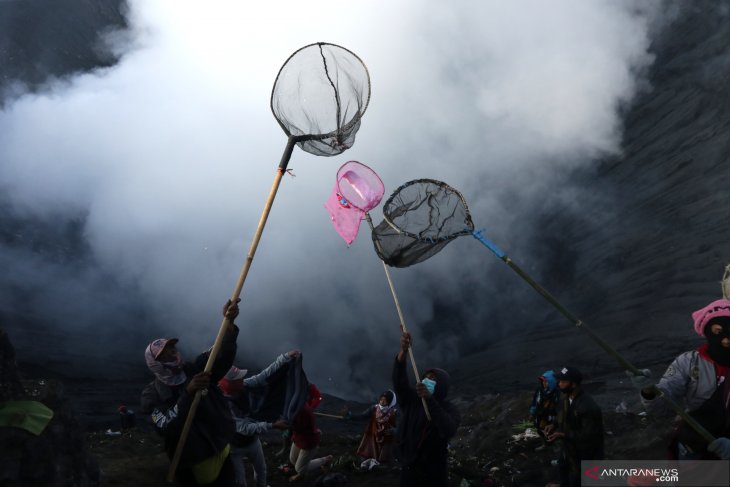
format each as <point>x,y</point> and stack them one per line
<point>305,438</point>
<point>205,458</point>
<point>377,441</point>
<point>544,402</point>
<point>700,378</point>
<point>423,443</point>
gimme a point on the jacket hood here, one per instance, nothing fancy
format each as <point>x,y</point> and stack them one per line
<point>549,376</point>
<point>442,383</point>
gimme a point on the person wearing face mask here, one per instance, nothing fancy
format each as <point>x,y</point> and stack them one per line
<point>423,444</point>
<point>377,441</point>
<point>241,392</point>
<point>700,378</point>
<point>578,427</point>
<point>205,459</point>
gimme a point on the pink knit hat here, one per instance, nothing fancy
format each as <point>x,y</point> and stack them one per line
<point>715,309</point>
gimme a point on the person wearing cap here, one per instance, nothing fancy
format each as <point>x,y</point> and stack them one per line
<point>578,427</point>
<point>423,443</point>
<point>377,441</point>
<point>205,458</point>
<point>246,443</point>
<point>544,402</point>
<point>701,379</point>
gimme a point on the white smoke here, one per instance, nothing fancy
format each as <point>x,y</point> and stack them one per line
<point>170,154</point>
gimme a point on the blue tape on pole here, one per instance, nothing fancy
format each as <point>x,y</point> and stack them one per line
<point>479,235</point>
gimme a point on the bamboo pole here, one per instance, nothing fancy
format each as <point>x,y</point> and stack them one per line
<point>582,326</point>
<point>400,316</point>
<point>329,415</point>
<point>234,298</point>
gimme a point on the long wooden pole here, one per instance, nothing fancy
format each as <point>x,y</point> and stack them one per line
<point>479,235</point>
<point>325,415</point>
<point>234,297</point>
<point>400,316</point>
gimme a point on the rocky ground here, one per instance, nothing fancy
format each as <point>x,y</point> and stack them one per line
<point>491,447</point>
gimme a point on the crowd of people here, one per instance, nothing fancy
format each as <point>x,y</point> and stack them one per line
<point>409,425</point>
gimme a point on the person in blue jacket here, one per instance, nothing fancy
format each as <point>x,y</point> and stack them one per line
<point>544,404</point>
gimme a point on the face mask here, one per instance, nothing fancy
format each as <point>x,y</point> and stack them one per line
<point>430,385</point>
<point>717,352</point>
<point>175,364</point>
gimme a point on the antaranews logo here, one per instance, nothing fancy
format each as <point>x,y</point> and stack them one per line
<point>659,474</point>
<point>592,472</point>
<point>662,473</point>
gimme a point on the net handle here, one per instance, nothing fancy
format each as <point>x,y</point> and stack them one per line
<point>234,298</point>
<point>400,316</point>
<point>479,235</point>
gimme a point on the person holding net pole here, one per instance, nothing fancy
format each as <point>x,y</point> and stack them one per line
<point>319,97</point>
<point>422,216</point>
<point>167,399</point>
<point>358,189</point>
<point>423,444</point>
<point>701,379</point>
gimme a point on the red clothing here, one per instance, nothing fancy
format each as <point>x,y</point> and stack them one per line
<point>720,370</point>
<point>305,433</point>
<point>377,442</point>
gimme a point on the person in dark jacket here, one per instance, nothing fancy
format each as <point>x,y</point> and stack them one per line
<point>579,427</point>
<point>205,457</point>
<point>423,443</point>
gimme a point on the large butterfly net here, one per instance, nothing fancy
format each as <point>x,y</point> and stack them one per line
<point>420,218</point>
<point>424,215</point>
<point>319,97</point>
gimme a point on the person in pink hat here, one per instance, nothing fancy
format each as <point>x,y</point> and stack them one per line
<point>701,379</point>
<point>205,459</point>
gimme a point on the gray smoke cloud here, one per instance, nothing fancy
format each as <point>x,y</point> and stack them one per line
<point>166,159</point>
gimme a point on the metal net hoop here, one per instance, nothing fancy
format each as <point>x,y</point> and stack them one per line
<point>431,210</point>
<point>360,185</point>
<point>319,97</point>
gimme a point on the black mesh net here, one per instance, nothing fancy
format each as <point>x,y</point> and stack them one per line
<point>319,97</point>
<point>421,217</point>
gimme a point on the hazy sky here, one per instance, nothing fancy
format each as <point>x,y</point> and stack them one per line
<point>172,152</point>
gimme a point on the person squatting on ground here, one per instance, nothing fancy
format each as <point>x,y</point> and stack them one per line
<point>700,378</point>
<point>246,442</point>
<point>579,427</point>
<point>423,443</point>
<point>205,458</point>
<point>377,441</point>
<point>306,437</point>
<point>544,403</point>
